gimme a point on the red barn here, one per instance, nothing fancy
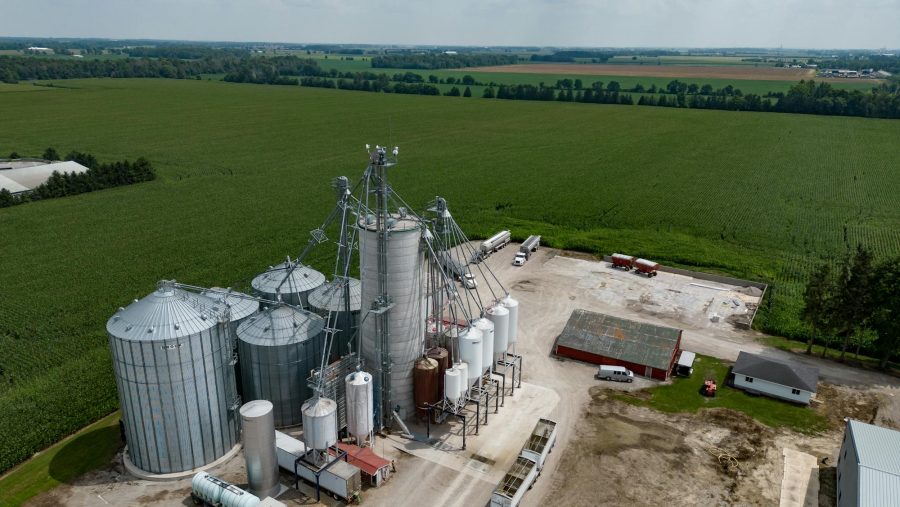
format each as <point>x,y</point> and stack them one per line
<point>645,349</point>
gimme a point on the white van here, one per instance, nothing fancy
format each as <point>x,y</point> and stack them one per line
<point>617,373</point>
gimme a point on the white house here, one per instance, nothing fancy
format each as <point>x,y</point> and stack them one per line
<point>868,468</point>
<point>778,379</point>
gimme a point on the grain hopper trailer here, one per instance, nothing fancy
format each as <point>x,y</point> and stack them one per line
<point>622,261</point>
<point>646,267</point>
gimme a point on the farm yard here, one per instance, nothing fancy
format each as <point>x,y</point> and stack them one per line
<point>244,173</point>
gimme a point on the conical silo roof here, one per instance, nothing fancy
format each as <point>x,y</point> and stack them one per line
<point>240,304</point>
<point>280,325</point>
<point>330,296</point>
<point>165,314</point>
<point>296,277</point>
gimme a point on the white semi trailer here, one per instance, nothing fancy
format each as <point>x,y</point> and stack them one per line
<point>541,441</point>
<point>517,481</point>
<point>341,479</point>
<point>494,243</point>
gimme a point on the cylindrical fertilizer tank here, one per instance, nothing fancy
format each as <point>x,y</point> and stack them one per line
<point>171,359</point>
<point>426,384</point>
<point>258,423</point>
<point>215,491</point>
<point>406,318</point>
<point>487,343</point>
<point>360,403</point>
<point>499,315</point>
<point>470,350</point>
<point>291,281</point>
<point>452,384</point>
<point>463,370</point>
<point>332,297</point>
<point>513,306</point>
<point>442,357</point>
<point>319,423</point>
<point>278,347</point>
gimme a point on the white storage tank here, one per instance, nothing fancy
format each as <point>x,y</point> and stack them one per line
<point>499,315</point>
<point>258,423</point>
<point>360,404</point>
<point>211,490</point>
<point>513,306</point>
<point>278,347</point>
<point>470,350</point>
<point>452,384</point>
<point>319,423</point>
<point>291,281</point>
<point>463,370</point>
<point>406,318</point>
<point>330,297</point>
<point>487,343</point>
<point>171,357</point>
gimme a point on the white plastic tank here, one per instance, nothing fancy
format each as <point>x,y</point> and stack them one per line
<point>319,423</point>
<point>470,350</point>
<point>499,315</point>
<point>487,342</point>
<point>513,306</point>
<point>258,423</point>
<point>360,403</point>
<point>452,384</point>
<point>463,370</point>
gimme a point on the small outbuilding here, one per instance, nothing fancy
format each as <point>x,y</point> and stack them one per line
<point>868,467</point>
<point>772,377</point>
<point>645,349</point>
<point>373,467</point>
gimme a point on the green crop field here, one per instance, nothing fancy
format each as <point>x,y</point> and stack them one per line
<point>245,170</point>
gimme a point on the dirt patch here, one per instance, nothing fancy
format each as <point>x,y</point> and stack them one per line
<point>628,454</point>
<point>577,255</point>
<point>525,286</point>
<point>674,71</point>
<point>838,402</point>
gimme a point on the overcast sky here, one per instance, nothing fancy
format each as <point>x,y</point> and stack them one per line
<point>670,23</point>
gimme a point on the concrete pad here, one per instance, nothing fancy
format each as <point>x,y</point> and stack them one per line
<point>800,483</point>
<point>132,469</point>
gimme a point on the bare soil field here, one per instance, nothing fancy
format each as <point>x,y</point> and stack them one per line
<point>715,457</point>
<point>674,71</point>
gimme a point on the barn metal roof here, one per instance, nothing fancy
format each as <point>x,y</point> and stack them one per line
<point>11,185</point>
<point>30,175</point>
<point>878,458</point>
<point>797,376</point>
<point>623,339</point>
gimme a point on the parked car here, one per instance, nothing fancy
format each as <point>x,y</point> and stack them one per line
<point>468,281</point>
<point>617,373</point>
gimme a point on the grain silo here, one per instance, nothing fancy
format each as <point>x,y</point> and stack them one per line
<point>171,355</point>
<point>289,282</point>
<point>393,336</point>
<point>240,306</point>
<point>332,297</point>
<point>278,347</point>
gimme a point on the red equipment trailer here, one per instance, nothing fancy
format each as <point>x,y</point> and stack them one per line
<point>646,267</point>
<point>623,261</point>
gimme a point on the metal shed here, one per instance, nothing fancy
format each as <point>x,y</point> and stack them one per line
<point>868,469</point>
<point>646,349</point>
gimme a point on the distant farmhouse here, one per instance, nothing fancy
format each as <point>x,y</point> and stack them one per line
<point>21,176</point>
<point>778,379</point>
<point>868,468</point>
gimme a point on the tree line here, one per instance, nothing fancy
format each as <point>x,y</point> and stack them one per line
<point>441,61</point>
<point>855,304</point>
<point>97,177</point>
<point>570,56</point>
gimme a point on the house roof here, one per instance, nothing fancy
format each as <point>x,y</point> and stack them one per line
<point>626,340</point>
<point>878,458</point>
<point>793,375</point>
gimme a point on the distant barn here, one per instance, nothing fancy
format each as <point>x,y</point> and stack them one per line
<point>645,349</point>
<point>19,176</point>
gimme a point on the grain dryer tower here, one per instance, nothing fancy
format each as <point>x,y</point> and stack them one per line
<point>171,355</point>
<point>392,266</point>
